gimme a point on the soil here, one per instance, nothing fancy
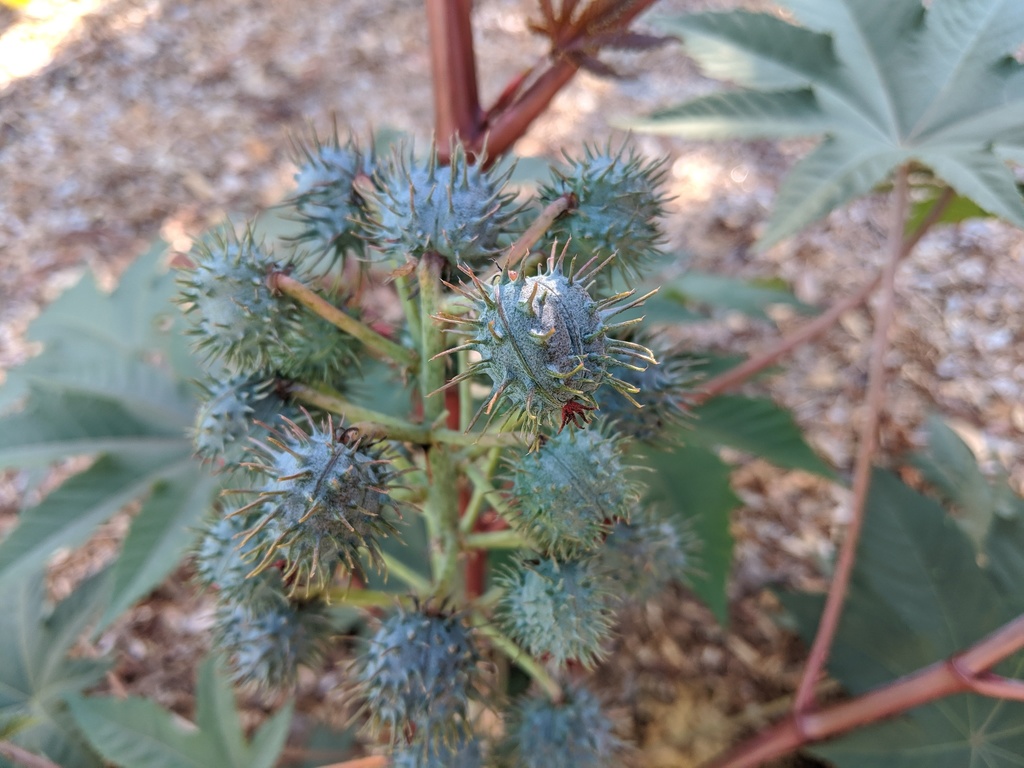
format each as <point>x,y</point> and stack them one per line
<point>122,120</point>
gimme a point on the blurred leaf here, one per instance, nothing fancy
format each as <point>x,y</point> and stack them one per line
<point>917,596</point>
<point>693,483</point>
<point>137,732</point>
<point>112,382</point>
<point>35,671</point>
<point>751,297</point>
<point>887,83</point>
<point>757,426</point>
<point>949,465</point>
<point>958,209</point>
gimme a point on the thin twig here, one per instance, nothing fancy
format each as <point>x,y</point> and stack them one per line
<point>867,442</point>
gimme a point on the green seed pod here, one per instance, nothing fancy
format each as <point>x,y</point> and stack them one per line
<point>546,344</point>
<point>418,674</point>
<point>559,609</point>
<point>326,199</point>
<point>459,211</point>
<point>664,391</point>
<point>572,733</point>
<point>646,554</point>
<point>225,420</point>
<point>617,206</point>
<point>326,496</point>
<point>266,642</point>
<point>236,317</point>
<point>570,491</point>
<point>224,561</point>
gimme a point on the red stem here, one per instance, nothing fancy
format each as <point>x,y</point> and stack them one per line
<point>867,443</point>
<point>453,68</point>
<point>961,674</point>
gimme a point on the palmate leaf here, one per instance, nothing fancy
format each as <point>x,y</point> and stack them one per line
<point>35,671</point>
<point>111,383</point>
<point>138,732</point>
<point>886,81</point>
<point>918,595</point>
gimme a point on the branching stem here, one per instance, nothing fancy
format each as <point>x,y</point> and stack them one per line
<point>536,230</point>
<point>504,539</point>
<point>813,328</point>
<point>379,345</point>
<point>525,661</point>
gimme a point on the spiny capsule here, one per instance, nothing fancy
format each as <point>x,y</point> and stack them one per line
<point>563,610</point>
<point>617,206</point>
<point>316,352</point>
<point>460,210</point>
<point>327,201</point>
<point>326,496</point>
<point>664,391</point>
<point>265,642</point>
<point>570,491</point>
<point>224,561</point>
<point>546,344</point>
<point>464,752</point>
<point>236,316</point>
<point>418,674</point>
<point>227,416</point>
<point>645,554</point>
<point>571,733</point>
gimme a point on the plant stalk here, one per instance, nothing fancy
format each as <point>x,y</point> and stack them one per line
<point>453,67</point>
<point>521,658</point>
<point>503,539</point>
<point>867,443</point>
<point>536,230</point>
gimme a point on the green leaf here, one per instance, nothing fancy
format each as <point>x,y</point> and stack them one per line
<point>958,209</point>
<point>693,482</point>
<point>757,426</point>
<point>751,297</point>
<point>917,596</point>
<point>892,83</point>
<point>949,465</point>
<point>113,383</point>
<point>35,671</point>
<point>137,732</point>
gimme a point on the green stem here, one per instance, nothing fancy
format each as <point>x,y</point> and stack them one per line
<point>441,509</point>
<point>480,491</point>
<point>396,567</point>
<point>379,345</point>
<point>506,539</point>
<point>366,598</point>
<point>382,425</point>
<point>521,658</point>
<point>412,317</point>
<point>371,421</point>
<point>483,483</point>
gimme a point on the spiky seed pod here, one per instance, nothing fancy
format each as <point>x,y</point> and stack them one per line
<point>226,419</point>
<point>326,497</point>
<point>664,391</point>
<point>559,609</point>
<point>463,752</point>
<point>459,211</point>
<point>546,344</point>
<point>265,642</point>
<point>646,553</point>
<point>418,674</point>
<point>316,352</point>
<point>571,733</point>
<point>326,199</point>
<point>224,561</point>
<point>236,317</point>
<point>569,492</point>
<point>617,205</point>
